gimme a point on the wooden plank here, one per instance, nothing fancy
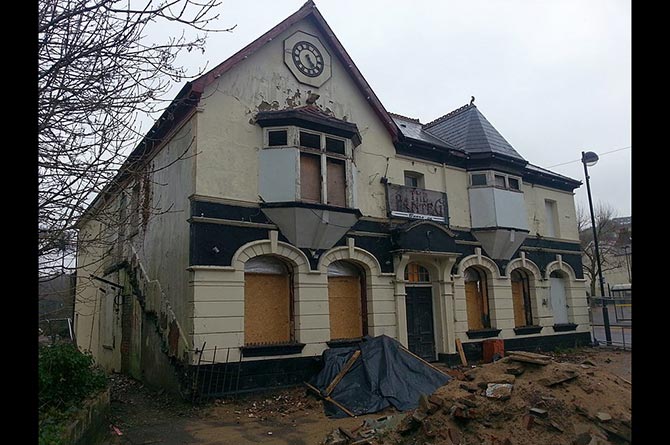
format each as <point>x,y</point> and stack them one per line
<point>461,353</point>
<point>429,364</point>
<point>347,433</point>
<point>529,357</point>
<point>343,371</point>
<point>340,406</point>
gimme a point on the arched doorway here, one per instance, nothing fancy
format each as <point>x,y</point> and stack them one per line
<point>558,299</point>
<point>268,302</point>
<point>521,299</point>
<point>347,302</point>
<point>419,307</point>
<point>477,299</point>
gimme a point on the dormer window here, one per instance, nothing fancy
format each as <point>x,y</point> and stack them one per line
<point>495,179</point>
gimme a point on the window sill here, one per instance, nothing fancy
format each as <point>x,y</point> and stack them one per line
<point>563,327</point>
<point>483,333</point>
<point>269,350</point>
<point>344,342</point>
<point>525,330</point>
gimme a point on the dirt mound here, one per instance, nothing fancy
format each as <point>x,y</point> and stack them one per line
<point>513,402</point>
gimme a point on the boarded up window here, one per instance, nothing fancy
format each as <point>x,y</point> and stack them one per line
<point>267,303</point>
<point>476,299</point>
<point>551,218</point>
<point>346,301</point>
<point>336,183</point>
<point>416,273</point>
<point>310,177</point>
<point>521,299</point>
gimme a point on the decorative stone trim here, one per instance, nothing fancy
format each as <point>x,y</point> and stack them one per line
<point>561,265</point>
<point>268,247</point>
<point>478,260</point>
<point>350,252</point>
<point>524,263</point>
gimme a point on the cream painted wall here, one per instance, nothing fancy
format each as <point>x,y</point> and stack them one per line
<point>565,203</point>
<point>229,143</point>
<point>162,250</point>
<point>219,300</point>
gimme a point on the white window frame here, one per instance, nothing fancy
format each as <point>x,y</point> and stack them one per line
<point>490,180</point>
<point>293,140</point>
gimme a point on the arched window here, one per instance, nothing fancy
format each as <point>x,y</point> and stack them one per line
<point>558,296</point>
<point>416,273</point>
<point>347,302</point>
<point>521,300</point>
<point>268,302</point>
<point>477,298</point>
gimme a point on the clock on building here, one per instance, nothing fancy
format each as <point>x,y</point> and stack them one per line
<point>307,58</point>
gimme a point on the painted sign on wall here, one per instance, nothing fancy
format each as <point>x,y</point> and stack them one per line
<point>417,203</point>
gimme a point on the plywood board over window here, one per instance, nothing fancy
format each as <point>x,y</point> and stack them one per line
<point>267,308</point>
<point>344,298</point>
<point>310,177</point>
<point>336,183</point>
<point>476,300</point>
<point>518,304</point>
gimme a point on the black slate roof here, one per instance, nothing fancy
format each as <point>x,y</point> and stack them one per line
<point>466,128</point>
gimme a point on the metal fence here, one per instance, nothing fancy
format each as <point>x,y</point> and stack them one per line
<point>612,321</point>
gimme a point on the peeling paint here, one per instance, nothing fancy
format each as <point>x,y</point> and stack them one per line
<point>293,101</point>
<point>264,106</point>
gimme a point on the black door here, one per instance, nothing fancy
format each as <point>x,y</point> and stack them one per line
<point>420,335</point>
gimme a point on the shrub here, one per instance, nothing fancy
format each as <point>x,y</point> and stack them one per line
<point>67,376</point>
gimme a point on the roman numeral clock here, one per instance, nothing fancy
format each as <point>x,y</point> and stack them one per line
<point>307,58</point>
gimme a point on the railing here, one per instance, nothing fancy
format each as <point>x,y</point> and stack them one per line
<point>619,323</point>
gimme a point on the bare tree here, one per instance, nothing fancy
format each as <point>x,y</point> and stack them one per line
<point>98,76</point>
<point>606,230</point>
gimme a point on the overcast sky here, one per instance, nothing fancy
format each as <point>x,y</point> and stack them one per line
<point>553,77</point>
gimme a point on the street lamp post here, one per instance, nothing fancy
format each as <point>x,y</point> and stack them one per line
<point>589,158</point>
<point>626,249</point>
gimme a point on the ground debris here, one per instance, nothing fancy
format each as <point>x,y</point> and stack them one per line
<point>506,403</point>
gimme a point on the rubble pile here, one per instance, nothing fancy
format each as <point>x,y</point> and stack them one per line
<point>523,398</point>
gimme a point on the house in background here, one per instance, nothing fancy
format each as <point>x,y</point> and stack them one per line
<point>277,209</point>
<point>616,250</point>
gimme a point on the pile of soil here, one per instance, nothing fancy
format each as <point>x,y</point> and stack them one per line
<point>514,403</point>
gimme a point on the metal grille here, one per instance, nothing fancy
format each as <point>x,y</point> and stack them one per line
<point>618,323</point>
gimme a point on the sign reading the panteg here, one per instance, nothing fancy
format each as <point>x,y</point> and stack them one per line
<point>417,203</point>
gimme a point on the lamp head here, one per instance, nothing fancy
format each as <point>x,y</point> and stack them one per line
<point>589,158</point>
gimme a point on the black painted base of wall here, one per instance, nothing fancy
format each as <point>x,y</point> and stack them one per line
<point>215,380</point>
<point>473,350</point>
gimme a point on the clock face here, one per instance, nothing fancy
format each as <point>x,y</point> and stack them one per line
<point>307,58</point>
